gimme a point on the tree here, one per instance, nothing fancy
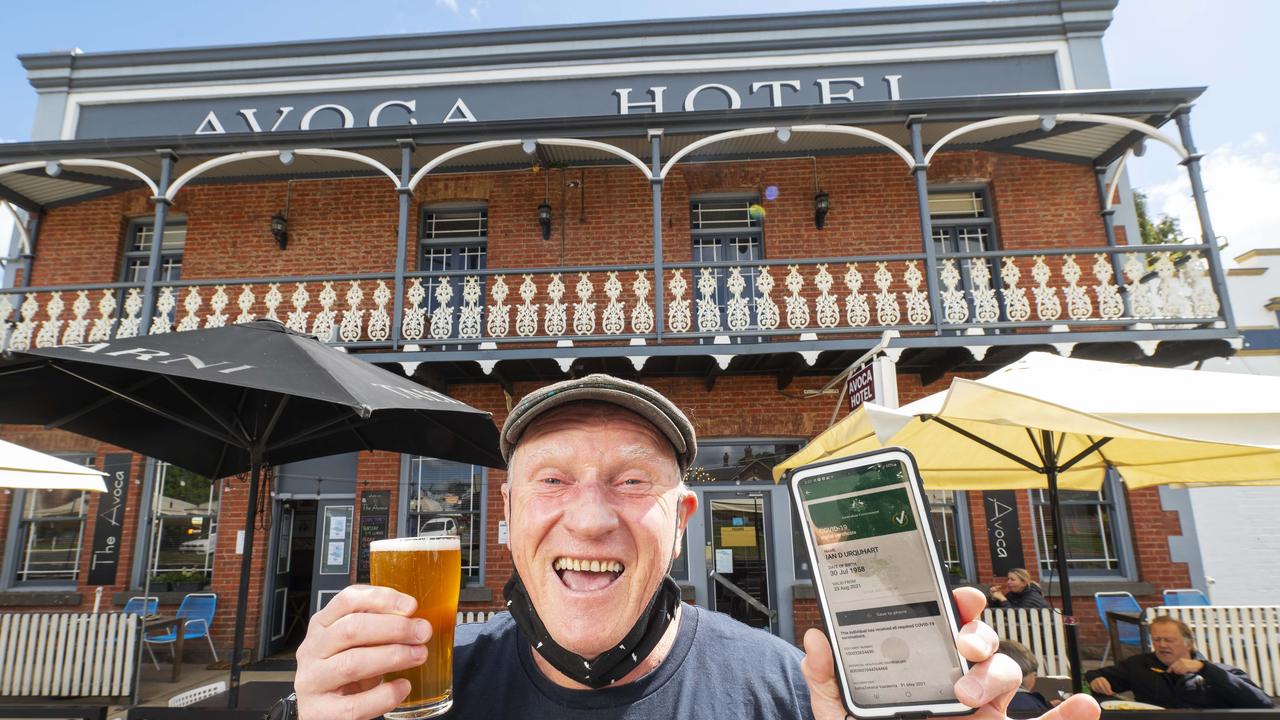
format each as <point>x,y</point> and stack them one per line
<point>1164,231</point>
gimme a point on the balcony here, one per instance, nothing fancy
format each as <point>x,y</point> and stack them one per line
<point>1140,293</point>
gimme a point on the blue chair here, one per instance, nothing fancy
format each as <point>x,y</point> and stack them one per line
<point>197,610</point>
<point>1128,633</point>
<point>1184,596</point>
<point>142,606</point>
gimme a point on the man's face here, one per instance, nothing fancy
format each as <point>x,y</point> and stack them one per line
<point>593,503</point>
<point>1168,643</point>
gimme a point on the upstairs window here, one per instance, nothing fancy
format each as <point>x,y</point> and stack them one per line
<point>727,229</point>
<point>962,220</point>
<point>454,238</point>
<point>137,254</point>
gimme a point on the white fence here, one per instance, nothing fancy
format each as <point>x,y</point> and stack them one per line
<point>1247,636</point>
<point>473,617</point>
<point>1040,629</point>
<point>68,654</point>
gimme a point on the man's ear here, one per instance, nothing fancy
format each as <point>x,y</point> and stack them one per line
<point>685,509</point>
<point>506,502</point>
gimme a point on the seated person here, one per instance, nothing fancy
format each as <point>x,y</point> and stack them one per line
<point>1177,676</point>
<point>1026,698</point>
<point>1019,592</point>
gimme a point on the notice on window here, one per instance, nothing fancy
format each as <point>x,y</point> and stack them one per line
<point>337,528</point>
<point>724,561</point>
<point>334,555</point>
<point>744,536</point>
<point>337,554</point>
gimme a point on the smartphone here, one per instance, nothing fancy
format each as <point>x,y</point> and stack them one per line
<point>881,588</point>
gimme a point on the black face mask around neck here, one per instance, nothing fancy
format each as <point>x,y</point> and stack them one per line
<point>611,665</point>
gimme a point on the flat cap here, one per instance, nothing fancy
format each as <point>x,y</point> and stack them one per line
<point>639,399</point>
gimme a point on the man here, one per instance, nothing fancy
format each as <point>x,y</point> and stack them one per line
<point>1026,698</point>
<point>1177,676</point>
<point>595,508</point>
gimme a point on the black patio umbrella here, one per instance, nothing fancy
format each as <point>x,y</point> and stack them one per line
<point>228,400</point>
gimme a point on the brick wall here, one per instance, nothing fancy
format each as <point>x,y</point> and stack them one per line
<point>601,216</point>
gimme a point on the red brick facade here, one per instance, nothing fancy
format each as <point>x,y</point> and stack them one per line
<point>349,226</point>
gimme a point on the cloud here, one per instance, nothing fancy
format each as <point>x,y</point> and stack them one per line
<point>450,5</point>
<point>474,12</point>
<point>1242,184</point>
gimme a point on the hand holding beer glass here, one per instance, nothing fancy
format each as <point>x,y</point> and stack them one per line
<point>428,567</point>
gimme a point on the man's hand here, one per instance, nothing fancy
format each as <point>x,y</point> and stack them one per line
<point>363,632</point>
<point>1186,666</point>
<point>1101,685</point>
<point>990,683</point>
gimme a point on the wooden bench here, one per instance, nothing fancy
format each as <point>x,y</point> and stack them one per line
<point>54,655</point>
<point>1247,636</point>
<point>1040,629</point>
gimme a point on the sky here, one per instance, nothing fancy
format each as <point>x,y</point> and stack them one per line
<point>1226,45</point>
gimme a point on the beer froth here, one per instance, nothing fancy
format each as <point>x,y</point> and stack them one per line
<point>426,543</point>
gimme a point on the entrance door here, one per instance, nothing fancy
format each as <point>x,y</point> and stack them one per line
<point>335,540</point>
<point>294,561</point>
<point>739,581</point>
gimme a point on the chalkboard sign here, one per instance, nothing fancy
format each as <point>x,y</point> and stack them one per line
<point>375,521</point>
<point>108,526</point>
<point>1000,510</point>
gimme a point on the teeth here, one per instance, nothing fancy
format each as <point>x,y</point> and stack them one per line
<point>587,565</point>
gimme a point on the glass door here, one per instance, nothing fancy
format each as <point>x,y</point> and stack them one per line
<point>740,583</point>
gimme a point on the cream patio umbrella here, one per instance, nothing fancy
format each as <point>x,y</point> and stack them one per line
<point>1052,422</point>
<point>22,467</point>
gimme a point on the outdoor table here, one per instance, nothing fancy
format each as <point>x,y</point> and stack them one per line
<point>255,699</point>
<point>1114,618</point>
<point>258,696</point>
<point>156,623</point>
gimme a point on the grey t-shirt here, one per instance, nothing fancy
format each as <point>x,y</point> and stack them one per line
<point>718,668</point>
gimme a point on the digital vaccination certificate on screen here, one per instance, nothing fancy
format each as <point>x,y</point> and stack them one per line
<point>884,602</point>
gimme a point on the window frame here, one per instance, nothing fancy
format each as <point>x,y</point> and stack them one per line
<point>142,555</point>
<point>132,228</point>
<point>404,516</point>
<point>425,242</point>
<point>988,210</point>
<point>1122,538</point>
<point>12,554</point>
<point>964,535</point>
<point>754,230</point>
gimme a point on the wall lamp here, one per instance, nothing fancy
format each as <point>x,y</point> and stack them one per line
<point>821,206</point>
<point>280,220</point>
<point>280,229</point>
<point>544,219</point>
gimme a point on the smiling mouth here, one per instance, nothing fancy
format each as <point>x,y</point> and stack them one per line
<point>587,574</point>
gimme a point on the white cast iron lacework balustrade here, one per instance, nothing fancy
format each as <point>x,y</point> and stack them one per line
<point>1036,289</point>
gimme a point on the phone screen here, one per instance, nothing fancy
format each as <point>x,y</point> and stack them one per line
<point>886,608</point>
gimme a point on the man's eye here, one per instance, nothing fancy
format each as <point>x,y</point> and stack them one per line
<point>551,481</point>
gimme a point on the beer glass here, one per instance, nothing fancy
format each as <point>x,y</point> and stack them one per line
<point>428,567</point>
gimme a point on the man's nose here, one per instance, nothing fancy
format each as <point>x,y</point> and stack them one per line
<point>590,514</point>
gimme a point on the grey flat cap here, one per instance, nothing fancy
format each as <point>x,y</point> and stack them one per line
<point>639,399</point>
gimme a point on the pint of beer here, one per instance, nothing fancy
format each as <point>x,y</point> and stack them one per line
<point>430,569</point>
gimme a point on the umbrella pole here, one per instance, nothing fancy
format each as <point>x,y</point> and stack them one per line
<point>246,566</point>
<point>1060,558</point>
